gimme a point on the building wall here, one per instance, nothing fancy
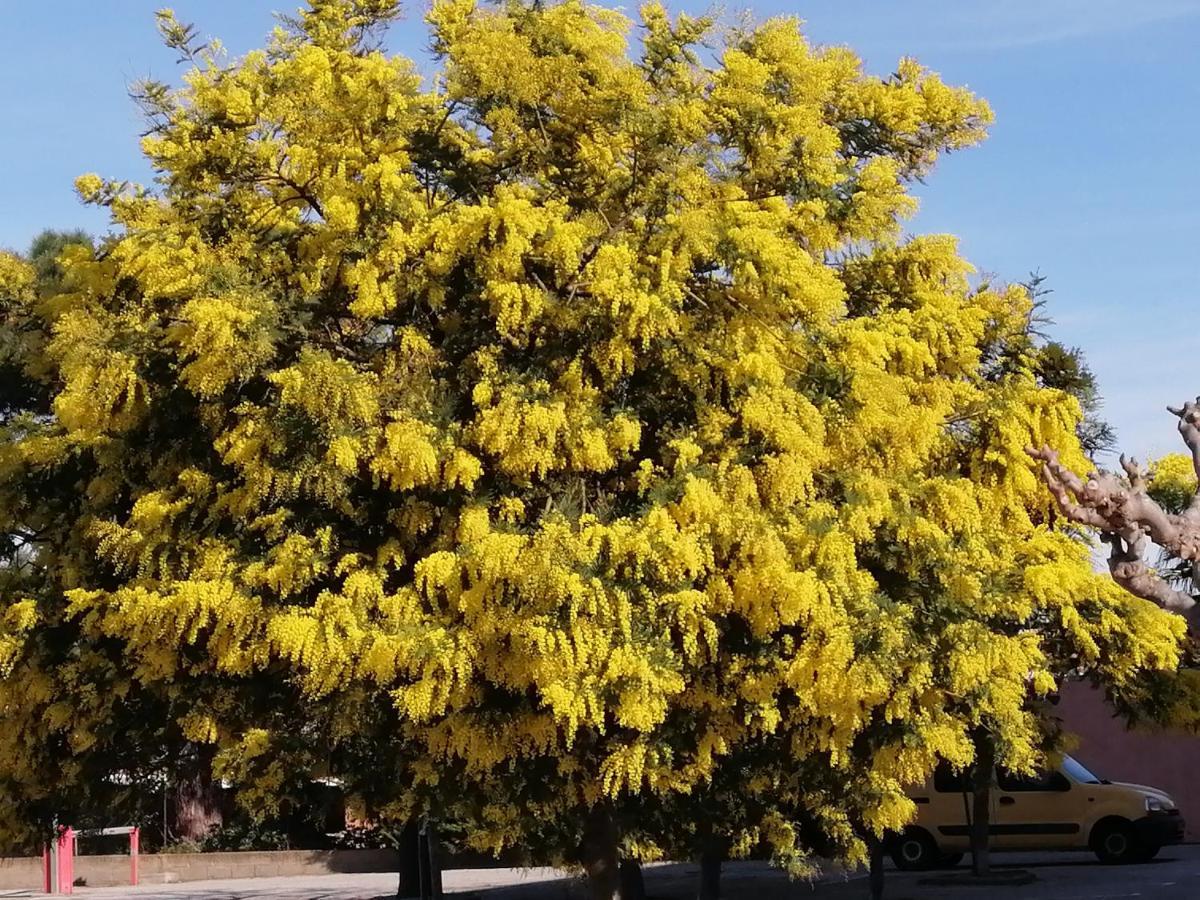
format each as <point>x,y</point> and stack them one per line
<point>1161,759</point>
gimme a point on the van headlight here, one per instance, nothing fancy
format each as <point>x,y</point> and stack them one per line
<point>1154,804</point>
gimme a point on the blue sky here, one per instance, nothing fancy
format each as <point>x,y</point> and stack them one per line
<point>1090,176</point>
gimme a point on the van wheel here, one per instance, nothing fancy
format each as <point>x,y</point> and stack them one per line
<point>1116,843</point>
<point>915,851</point>
<point>1148,851</point>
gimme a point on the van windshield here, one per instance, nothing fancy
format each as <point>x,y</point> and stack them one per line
<point>1078,772</point>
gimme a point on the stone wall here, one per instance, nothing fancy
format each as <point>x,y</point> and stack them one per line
<point>165,868</point>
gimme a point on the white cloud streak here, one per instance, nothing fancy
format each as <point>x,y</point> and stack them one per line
<point>1009,25</point>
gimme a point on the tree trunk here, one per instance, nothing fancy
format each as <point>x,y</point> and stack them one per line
<point>409,853</point>
<point>633,886</point>
<point>598,853</point>
<point>431,881</point>
<point>197,797</point>
<point>981,813</point>
<point>710,874</point>
<point>875,848</point>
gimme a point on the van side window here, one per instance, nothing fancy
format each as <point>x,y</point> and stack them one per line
<point>948,781</point>
<point>1042,781</point>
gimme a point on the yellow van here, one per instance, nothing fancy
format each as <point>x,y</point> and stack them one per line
<point>1068,808</point>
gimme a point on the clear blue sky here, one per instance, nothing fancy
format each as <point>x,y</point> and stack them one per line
<point>1090,175</point>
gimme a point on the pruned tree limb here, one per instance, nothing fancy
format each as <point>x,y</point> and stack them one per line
<point>1128,518</point>
<point>1113,505</point>
<point>1063,483</point>
<point>1189,429</point>
<point>1128,566</point>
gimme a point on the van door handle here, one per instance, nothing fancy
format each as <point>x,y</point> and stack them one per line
<point>1007,801</point>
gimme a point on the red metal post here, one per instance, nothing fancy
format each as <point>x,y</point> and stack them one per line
<point>134,841</point>
<point>62,859</point>
<point>58,861</point>
<point>46,868</point>
<point>66,861</point>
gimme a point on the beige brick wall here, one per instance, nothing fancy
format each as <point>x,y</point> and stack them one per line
<point>163,868</point>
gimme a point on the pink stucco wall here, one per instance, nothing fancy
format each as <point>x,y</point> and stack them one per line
<point>1161,759</point>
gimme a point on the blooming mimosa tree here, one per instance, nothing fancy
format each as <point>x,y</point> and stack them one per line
<point>560,441</point>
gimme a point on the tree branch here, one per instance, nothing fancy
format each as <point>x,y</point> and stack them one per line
<point>1127,564</point>
<point>1062,483</point>
<point>1106,502</point>
<point>1136,472</point>
<point>1128,518</point>
<point>1189,428</point>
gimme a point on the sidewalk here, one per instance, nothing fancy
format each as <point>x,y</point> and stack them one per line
<point>1175,875</point>
<point>670,881</point>
<point>667,881</point>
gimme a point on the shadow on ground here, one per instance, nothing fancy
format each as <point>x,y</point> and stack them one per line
<point>1075,876</point>
<point>669,881</point>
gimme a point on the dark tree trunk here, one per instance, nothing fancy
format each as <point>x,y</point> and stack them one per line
<point>409,853</point>
<point>633,886</point>
<point>431,867</point>
<point>875,847</point>
<point>981,805</point>
<point>197,797</point>
<point>710,874</point>
<point>598,853</point>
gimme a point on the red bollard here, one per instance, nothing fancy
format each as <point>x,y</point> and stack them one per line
<point>46,885</point>
<point>133,855</point>
<point>66,860</point>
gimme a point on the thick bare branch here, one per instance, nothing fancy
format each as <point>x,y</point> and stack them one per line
<point>1062,483</point>
<point>1189,428</point>
<point>1115,505</point>
<point>1129,518</point>
<point>1136,472</point>
<point>1128,566</point>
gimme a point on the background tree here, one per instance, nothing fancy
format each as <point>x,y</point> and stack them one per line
<point>22,336</point>
<point>1147,516</point>
<point>1065,369</point>
<point>549,449</point>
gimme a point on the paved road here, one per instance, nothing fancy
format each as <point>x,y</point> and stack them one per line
<point>1069,876</point>
<point>1175,875</point>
